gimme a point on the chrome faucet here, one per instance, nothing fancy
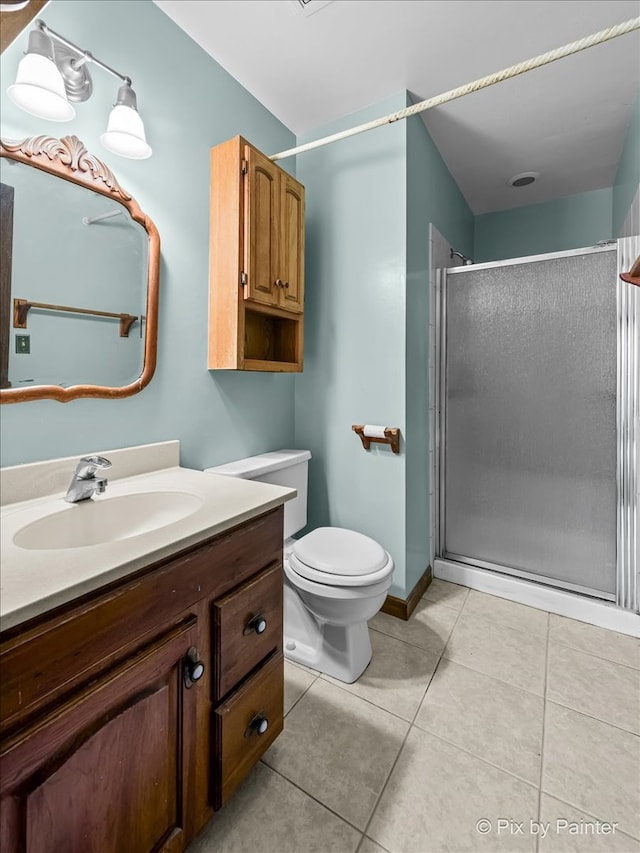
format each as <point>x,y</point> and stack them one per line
<point>85,484</point>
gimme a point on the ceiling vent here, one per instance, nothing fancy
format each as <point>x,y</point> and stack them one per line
<point>308,7</point>
<point>523,179</point>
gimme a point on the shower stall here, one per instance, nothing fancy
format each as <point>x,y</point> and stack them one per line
<point>537,422</point>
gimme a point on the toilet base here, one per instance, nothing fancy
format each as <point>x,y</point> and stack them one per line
<point>341,651</point>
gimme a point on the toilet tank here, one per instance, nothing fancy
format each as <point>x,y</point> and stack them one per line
<point>280,468</point>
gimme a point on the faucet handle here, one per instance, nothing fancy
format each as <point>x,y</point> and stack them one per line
<point>88,466</point>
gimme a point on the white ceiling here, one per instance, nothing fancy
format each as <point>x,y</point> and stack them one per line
<point>566,121</point>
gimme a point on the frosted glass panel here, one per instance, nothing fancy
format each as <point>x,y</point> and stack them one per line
<point>530,418</point>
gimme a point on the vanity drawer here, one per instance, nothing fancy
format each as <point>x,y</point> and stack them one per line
<point>247,625</point>
<point>239,745</point>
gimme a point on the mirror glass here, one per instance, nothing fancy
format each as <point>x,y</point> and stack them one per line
<point>75,303</point>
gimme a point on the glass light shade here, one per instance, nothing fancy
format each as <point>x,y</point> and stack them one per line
<point>125,134</point>
<point>39,89</point>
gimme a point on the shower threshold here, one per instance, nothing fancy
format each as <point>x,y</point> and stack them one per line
<point>539,593</point>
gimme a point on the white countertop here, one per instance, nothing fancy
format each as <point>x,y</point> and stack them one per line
<point>35,581</point>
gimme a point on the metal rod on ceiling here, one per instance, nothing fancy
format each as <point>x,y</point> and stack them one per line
<point>475,86</point>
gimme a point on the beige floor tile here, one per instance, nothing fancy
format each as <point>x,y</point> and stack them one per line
<point>302,666</point>
<point>447,593</point>
<point>494,720</point>
<point>429,626</point>
<point>369,846</point>
<point>511,656</point>
<point>599,688</point>
<point>396,678</point>
<point>271,815</point>
<point>507,613</point>
<point>339,749</point>
<point>565,829</point>
<point>296,681</point>
<point>436,796</point>
<point>592,765</point>
<point>597,641</point>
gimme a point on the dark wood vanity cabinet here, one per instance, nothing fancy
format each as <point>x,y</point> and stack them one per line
<point>129,716</point>
<point>107,769</point>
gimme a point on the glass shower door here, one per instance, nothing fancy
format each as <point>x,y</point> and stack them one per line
<point>528,419</point>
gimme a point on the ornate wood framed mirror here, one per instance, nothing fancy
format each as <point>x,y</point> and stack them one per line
<point>79,276</point>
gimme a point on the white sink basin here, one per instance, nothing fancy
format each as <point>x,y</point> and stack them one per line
<point>96,522</point>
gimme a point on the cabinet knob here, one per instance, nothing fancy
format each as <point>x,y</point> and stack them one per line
<point>279,282</point>
<point>257,624</point>
<point>286,284</point>
<point>194,668</point>
<point>259,724</point>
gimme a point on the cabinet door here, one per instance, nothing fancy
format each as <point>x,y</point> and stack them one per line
<point>291,267</point>
<point>261,206</point>
<point>108,771</point>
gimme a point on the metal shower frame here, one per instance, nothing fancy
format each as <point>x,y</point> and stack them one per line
<point>627,423</point>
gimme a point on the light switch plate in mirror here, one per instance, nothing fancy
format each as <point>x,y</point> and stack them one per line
<point>67,275</point>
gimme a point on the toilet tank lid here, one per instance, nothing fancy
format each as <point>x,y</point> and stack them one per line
<point>257,466</point>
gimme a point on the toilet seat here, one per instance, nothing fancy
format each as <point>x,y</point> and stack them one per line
<point>335,556</point>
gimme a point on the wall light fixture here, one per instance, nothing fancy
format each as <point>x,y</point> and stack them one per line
<point>54,72</point>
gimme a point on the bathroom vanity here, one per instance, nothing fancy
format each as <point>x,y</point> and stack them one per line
<point>132,710</point>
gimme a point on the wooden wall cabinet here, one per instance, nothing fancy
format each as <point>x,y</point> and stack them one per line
<point>256,262</point>
<point>109,740</point>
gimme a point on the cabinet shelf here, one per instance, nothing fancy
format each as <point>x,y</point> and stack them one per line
<point>272,342</point>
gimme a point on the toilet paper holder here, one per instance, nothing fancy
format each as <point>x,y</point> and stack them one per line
<point>391,437</point>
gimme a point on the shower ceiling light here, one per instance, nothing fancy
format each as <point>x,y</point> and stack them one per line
<point>523,179</point>
<point>53,72</point>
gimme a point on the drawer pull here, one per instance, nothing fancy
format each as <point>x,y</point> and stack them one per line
<point>259,724</point>
<point>194,668</point>
<point>257,624</point>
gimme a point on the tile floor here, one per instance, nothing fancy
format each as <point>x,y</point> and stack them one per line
<point>480,725</point>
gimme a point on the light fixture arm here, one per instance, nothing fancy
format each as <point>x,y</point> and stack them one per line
<point>84,56</point>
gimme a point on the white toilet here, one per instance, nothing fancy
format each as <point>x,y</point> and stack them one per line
<point>335,579</point>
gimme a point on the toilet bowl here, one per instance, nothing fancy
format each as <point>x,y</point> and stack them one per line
<point>335,579</point>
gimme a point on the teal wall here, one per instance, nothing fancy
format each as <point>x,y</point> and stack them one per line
<point>571,222</point>
<point>369,203</point>
<point>370,200</point>
<point>628,175</point>
<point>355,309</point>
<point>432,197</point>
<point>188,103</point>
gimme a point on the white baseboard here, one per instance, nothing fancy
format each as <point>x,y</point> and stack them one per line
<point>584,609</point>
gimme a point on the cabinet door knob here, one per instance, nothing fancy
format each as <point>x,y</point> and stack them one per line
<point>257,624</point>
<point>194,668</point>
<point>259,724</point>
<point>279,282</point>
<point>286,284</point>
